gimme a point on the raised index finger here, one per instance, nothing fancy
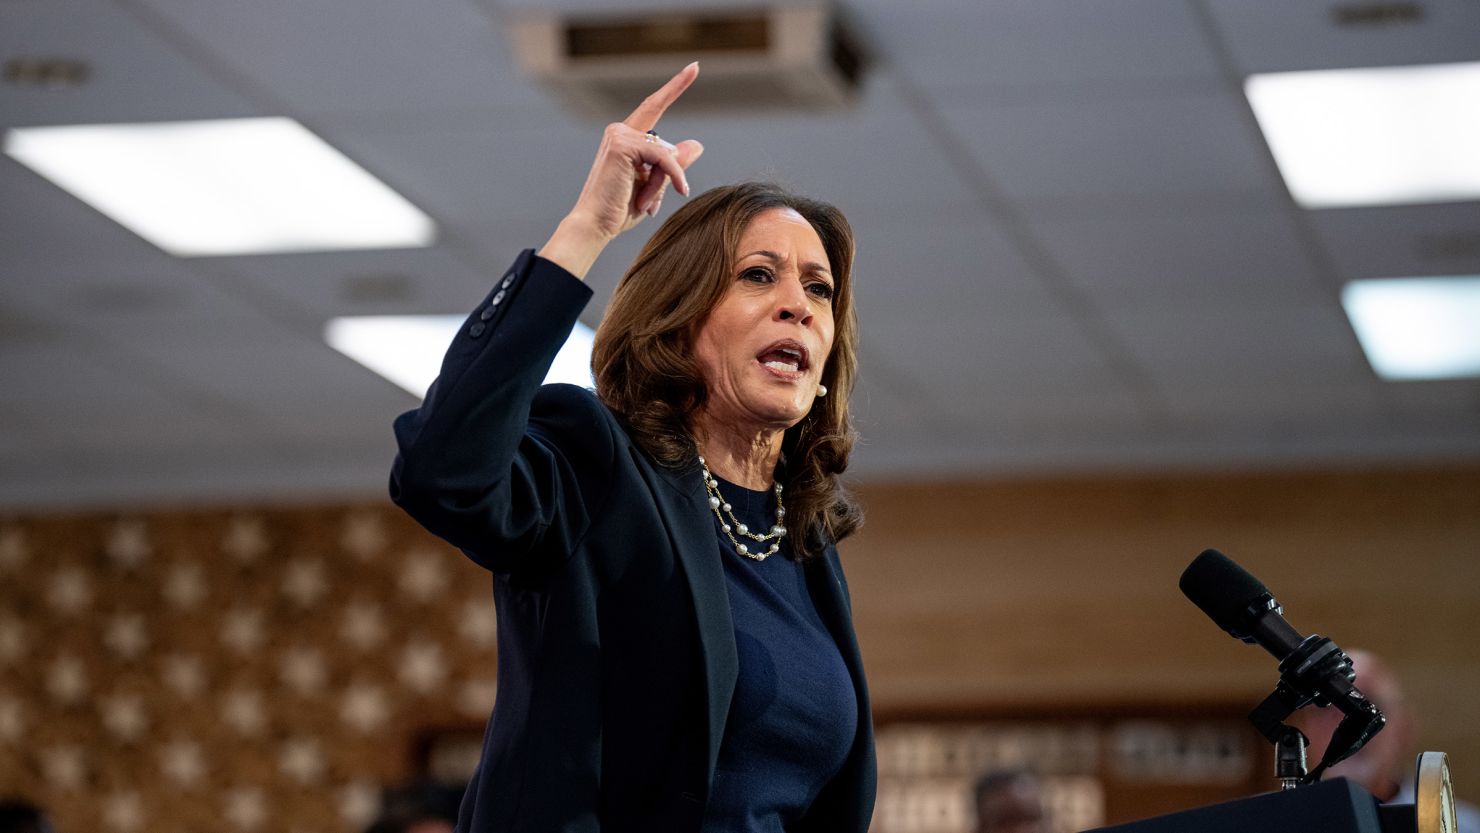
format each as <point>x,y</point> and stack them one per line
<point>646,116</point>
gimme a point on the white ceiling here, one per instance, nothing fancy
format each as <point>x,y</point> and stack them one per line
<point>1075,254</point>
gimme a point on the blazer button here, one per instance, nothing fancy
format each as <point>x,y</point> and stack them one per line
<point>508,281</point>
<point>498,298</point>
<point>486,314</point>
<point>477,329</point>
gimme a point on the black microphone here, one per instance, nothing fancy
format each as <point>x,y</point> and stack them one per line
<point>1312,668</point>
<point>1238,603</point>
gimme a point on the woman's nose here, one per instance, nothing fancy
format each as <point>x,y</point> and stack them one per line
<point>791,302</point>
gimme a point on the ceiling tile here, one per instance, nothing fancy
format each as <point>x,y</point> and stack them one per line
<point>940,254</point>
<point>1278,36</point>
<point>1115,149</point>
<point>1035,44</point>
<point>1223,404</point>
<point>42,225</point>
<point>58,367</point>
<point>1451,401</point>
<point>1125,288</point>
<point>286,378</point>
<point>135,74</point>
<point>1219,255</point>
<point>376,57</point>
<point>959,350</point>
<point>1198,345</point>
<point>385,282</point>
<point>1401,241</point>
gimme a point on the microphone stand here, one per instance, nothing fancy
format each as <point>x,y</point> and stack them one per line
<point>1315,672</point>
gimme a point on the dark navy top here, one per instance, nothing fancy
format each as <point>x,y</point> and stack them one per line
<point>794,713</point>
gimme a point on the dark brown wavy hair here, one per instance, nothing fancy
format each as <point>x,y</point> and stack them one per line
<point>645,369</point>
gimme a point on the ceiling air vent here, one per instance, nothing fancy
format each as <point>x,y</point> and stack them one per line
<point>1380,14</point>
<point>799,58</point>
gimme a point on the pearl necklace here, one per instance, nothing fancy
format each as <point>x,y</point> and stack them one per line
<point>717,503</point>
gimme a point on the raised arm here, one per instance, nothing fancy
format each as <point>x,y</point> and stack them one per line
<point>491,462</point>
<point>627,180</point>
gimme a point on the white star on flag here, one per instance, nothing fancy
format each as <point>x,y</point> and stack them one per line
<point>12,719</point>
<point>241,630</point>
<point>123,715</point>
<point>303,670</point>
<point>185,586</point>
<point>359,804</point>
<point>63,766</point>
<point>424,577</point>
<point>13,550</point>
<point>66,681</point>
<point>184,674</point>
<point>126,635</point>
<point>364,707</point>
<point>476,697</point>
<point>362,535</point>
<point>245,808</point>
<point>122,811</point>
<point>13,644</point>
<point>242,711</point>
<point>362,626</point>
<point>128,544</point>
<point>422,666</point>
<point>245,540</point>
<point>301,761</point>
<point>479,623</point>
<point>304,582</point>
<point>69,591</point>
<point>182,763</point>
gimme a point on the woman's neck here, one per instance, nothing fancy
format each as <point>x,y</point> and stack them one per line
<point>745,458</point>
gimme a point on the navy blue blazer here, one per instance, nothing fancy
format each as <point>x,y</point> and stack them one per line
<point>616,650</point>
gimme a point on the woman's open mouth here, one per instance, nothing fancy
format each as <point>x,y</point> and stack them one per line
<point>786,358</point>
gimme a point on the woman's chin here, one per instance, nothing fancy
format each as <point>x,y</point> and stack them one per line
<point>780,413</point>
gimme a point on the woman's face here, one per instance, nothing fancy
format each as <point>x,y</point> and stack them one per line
<point>762,349</point>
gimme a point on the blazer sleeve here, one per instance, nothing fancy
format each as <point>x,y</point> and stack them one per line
<point>507,471</point>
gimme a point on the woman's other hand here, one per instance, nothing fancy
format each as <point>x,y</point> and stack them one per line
<point>627,180</point>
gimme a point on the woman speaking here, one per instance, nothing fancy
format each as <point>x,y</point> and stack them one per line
<point>675,644</point>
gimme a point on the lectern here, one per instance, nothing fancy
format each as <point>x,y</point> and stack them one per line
<point>1336,806</point>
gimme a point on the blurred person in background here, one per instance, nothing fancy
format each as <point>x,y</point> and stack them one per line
<point>20,816</point>
<point>419,807</point>
<point>676,649</point>
<point>1386,766</point>
<point>1010,801</point>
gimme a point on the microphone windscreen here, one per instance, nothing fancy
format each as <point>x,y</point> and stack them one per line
<point>1223,589</point>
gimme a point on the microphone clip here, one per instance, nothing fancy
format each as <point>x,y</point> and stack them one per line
<point>1317,672</point>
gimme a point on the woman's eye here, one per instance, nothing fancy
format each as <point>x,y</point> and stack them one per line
<point>756,275</point>
<point>821,290</point>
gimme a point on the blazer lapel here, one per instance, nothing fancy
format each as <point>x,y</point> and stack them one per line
<point>683,504</point>
<point>851,806</point>
<point>826,580</point>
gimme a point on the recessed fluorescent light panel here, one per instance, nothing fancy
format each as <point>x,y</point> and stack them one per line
<point>1417,328</point>
<point>408,349</point>
<point>1383,136</point>
<point>224,187</point>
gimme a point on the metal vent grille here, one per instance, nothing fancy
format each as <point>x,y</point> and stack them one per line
<point>792,58</point>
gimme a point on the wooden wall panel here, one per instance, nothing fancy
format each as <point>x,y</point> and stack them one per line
<point>993,595</point>
<point>972,598</point>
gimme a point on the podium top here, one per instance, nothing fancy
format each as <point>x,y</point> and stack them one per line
<point>1335,806</point>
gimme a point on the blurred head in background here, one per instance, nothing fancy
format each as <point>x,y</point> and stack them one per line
<point>419,807</point>
<point>1010,801</point>
<point>17,816</point>
<point>1387,760</point>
